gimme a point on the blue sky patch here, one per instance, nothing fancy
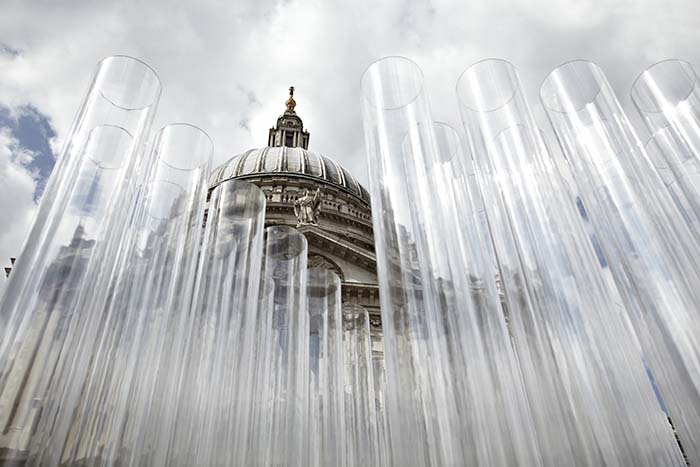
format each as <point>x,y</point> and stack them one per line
<point>33,132</point>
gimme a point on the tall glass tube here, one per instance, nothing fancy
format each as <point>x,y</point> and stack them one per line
<point>261,423</point>
<point>675,163</point>
<point>394,105</point>
<point>454,175</point>
<point>217,346</point>
<point>158,273</point>
<point>667,94</point>
<point>326,403</point>
<point>81,217</point>
<point>559,262</point>
<point>667,97</point>
<point>379,376</point>
<point>646,242</point>
<point>360,410</point>
<point>285,264</point>
<point>432,334</point>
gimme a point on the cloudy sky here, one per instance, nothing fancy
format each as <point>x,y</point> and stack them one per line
<point>226,64</point>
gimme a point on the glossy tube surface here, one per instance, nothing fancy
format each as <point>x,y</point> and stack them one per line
<point>326,385</point>
<point>434,339</point>
<point>155,273</point>
<point>214,381</point>
<point>668,94</point>
<point>667,97</point>
<point>485,333</point>
<point>360,408</point>
<point>285,264</point>
<point>559,262</point>
<point>78,230</point>
<point>646,242</point>
<point>394,106</point>
<point>679,171</point>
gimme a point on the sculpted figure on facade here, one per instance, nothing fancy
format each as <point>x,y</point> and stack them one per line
<point>306,207</point>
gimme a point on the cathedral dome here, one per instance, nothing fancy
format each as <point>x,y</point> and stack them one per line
<point>290,162</point>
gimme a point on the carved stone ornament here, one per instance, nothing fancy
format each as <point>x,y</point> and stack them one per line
<point>306,208</point>
<point>375,321</point>
<point>319,261</point>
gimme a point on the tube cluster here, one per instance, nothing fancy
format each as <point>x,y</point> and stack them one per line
<point>543,306</point>
<point>131,335</point>
<point>539,301</point>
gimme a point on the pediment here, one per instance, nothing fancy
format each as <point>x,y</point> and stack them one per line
<point>340,248</point>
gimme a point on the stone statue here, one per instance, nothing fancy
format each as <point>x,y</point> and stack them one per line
<point>306,208</point>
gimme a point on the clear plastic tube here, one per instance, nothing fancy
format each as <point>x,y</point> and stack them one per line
<point>285,264</point>
<point>487,331</point>
<point>327,409</point>
<point>361,426</point>
<point>679,172</point>
<point>646,242</point>
<point>184,160</point>
<point>169,245</point>
<point>667,97</point>
<point>559,262</point>
<point>433,336</point>
<point>212,397</point>
<point>125,340</point>
<point>379,375</point>
<point>667,94</point>
<point>78,228</point>
<point>261,423</point>
<point>394,108</point>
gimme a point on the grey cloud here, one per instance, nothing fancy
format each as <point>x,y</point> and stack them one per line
<point>226,66</point>
<point>8,50</point>
<point>243,123</point>
<point>17,204</point>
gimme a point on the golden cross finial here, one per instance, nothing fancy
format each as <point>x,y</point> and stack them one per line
<point>291,103</point>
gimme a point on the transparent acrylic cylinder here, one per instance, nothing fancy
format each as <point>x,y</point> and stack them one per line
<point>667,97</point>
<point>77,232</point>
<point>394,106</point>
<point>360,409</point>
<point>214,379</point>
<point>559,262</point>
<point>327,408</point>
<point>154,274</point>
<point>285,264</point>
<point>431,330</point>
<point>644,237</point>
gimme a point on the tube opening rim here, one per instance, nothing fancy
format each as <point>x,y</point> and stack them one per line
<point>228,189</point>
<point>455,151</point>
<point>418,91</point>
<point>277,235</point>
<point>106,164</point>
<point>178,187</point>
<point>596,71</point>
<point>205,160</point>
<point>666,131</point>
<point>460,96</point>
<point>322,282</point>
<point>149,72</point>
<point>638,80</point>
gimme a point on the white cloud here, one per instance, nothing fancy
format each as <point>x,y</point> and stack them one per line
<point>17,206</point>
<point>225,66</point>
